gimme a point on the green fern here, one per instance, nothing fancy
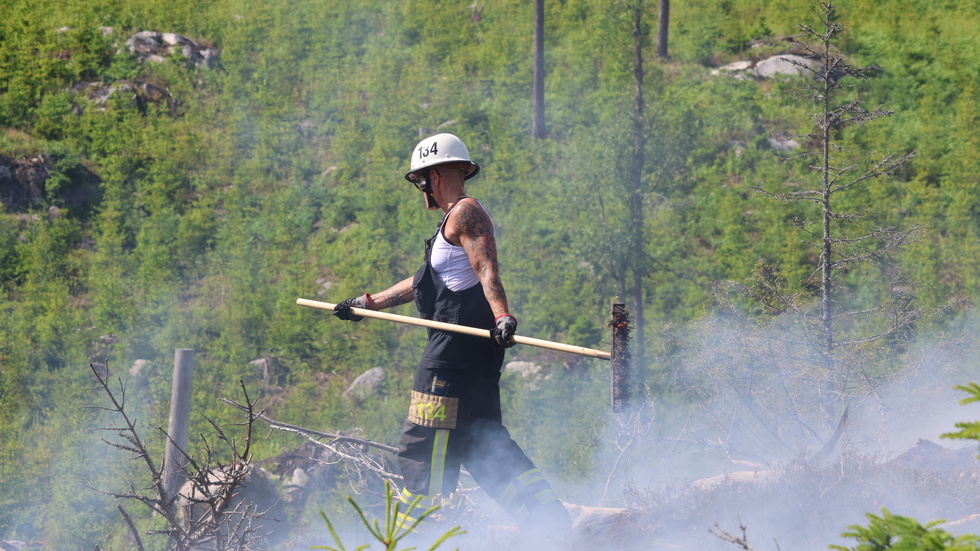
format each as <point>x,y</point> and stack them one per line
<point>390,533</point>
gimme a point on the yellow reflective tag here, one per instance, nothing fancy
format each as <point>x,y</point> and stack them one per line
<point>429,410</point>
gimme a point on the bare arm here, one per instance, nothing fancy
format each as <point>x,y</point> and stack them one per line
<point>398,294</point>
<point>471,226</point>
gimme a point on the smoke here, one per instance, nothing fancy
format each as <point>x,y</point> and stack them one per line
<point>769,442</point>
<point>747,434</point>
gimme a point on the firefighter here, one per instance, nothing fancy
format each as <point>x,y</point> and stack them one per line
<point>455,417</point>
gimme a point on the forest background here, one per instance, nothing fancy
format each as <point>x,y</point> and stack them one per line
<point>196,220</point>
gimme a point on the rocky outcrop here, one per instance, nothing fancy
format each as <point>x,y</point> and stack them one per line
<point>23,184</point>
<point>526,370</point>
<point>137,92</point>
<point>157,47</point>
<point>782,65</point>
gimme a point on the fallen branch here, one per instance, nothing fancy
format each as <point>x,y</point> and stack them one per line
<point>345,447</point>
<point>334,438</point>
<point>132,527</point>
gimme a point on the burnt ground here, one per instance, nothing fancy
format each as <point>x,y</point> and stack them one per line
<point>798,506</point>
<point>803,505</point>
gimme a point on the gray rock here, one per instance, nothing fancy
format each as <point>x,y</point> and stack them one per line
<point>738,68</point>
<point>271,369</point>
<point>524,369</point>
<point>782,142</point>
<point>257,494</point>
<point>138,366</point>
<point>157,47</point>
<point>144,42</point>
<point>772,67</point>
<point>365,384</point>
<point>786,65</point>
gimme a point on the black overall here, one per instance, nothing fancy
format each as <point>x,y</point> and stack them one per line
<point>458,377</point>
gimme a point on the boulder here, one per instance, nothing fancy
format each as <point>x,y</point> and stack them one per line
<point>781,65</point>
<point>23,185</point>
<point>525,369</point>
<point>594,521</point>
<point>302,472</point>
<point>737,477</point>
<point>271,370</point>
<point>782,142</point>
<point>365,384</point>
<point>786,65</point>
<point>257,494</point>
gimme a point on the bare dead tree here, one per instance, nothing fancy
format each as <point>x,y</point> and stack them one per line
<point>663,28</point>
<point>212,485</point>
<point>637,166</point>
<point>538,129</point>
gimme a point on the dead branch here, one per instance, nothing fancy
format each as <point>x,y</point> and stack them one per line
<point>157,502</point>
<point>132,527</point>
<point>740,541</point>
<point>210,484</point>
<point>348,448</point>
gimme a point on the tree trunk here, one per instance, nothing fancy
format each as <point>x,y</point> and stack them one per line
<point>826,276</point>
<point>636,198</point>
<point>662,27</point>
<point>538,129</point>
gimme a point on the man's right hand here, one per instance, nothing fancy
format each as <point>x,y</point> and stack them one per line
<point>503,333</point>
<point>343,310</point>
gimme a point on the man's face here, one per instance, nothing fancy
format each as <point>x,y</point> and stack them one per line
<point>424,184</point>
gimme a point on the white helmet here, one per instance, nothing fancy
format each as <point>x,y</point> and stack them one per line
<point>438,150</point>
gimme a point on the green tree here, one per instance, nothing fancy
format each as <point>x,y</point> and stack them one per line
<point>900,533</point>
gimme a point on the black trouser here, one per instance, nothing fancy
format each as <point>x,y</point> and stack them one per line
<point>430,456</point>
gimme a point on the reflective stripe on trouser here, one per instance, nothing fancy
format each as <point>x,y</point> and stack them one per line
<point>437,466</point>
<point>407,514</point>
<point>526,494</point>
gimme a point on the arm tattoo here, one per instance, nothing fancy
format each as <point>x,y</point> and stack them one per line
<point>476,235</point>
<point>389,298</point>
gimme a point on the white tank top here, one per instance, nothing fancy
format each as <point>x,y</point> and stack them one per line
<point>451,264</point>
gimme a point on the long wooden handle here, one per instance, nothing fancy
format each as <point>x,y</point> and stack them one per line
<point>466,330</point>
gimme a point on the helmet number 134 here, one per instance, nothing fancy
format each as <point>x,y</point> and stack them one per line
<point>426,151</point>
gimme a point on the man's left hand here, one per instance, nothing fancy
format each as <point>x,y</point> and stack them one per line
<point>343,310</point>
<point>503,333</point>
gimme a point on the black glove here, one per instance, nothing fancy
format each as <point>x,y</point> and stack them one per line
<point>503,333</point>
<point>343,310</point>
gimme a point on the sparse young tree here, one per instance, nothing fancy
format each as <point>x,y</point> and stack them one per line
<point>845,244</point>
<point>781,387</point>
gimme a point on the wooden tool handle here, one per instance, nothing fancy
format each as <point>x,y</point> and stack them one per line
<point>466,330</point>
